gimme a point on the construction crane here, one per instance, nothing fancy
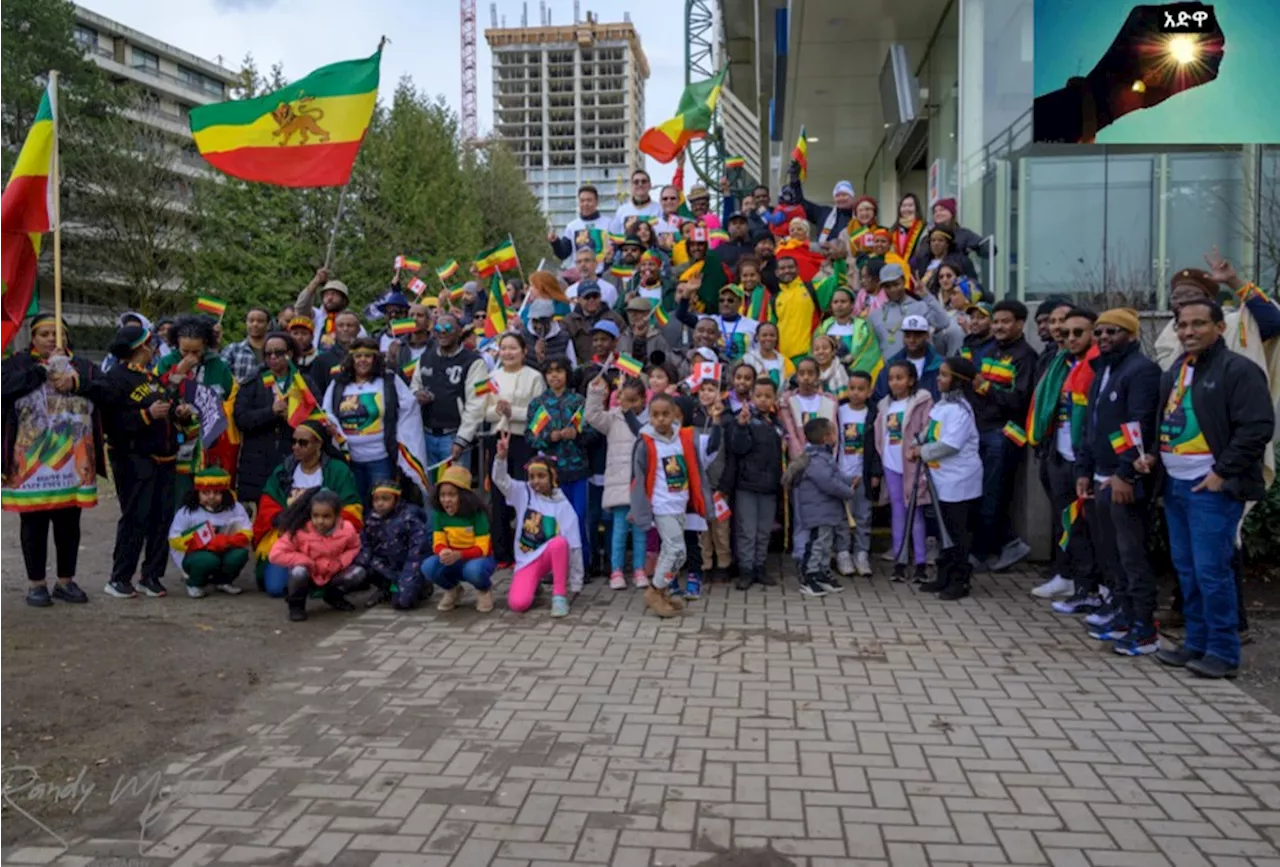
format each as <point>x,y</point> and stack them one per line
<point>470,128</point>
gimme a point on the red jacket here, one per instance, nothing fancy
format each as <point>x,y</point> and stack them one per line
<point>325,556</point>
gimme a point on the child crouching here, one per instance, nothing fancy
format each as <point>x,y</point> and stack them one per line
<point>668,482</point>
<point>823,492</point>
<point>317,547</point>
<point>461,549</point>
<point>549,540</point>
<point>211,534</point>
<point>391,547</point>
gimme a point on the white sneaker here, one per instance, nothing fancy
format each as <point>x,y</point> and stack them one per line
<point>229,589</point>
<point>1055,586</point>
<point>449,600</point>
<point>862,563</point>
<point>617,580</point>
<point>889,556</point>
<point>844,563</point>
<point>1011,554</point>
<point>196,592</point>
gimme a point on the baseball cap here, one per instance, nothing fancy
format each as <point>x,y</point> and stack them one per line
<point>607,327</point>
<point>633,241</point>
<point>915,323</point>
<point>737,215</point>
<point>732,289</point>
<point>981,308</point>
<point>891,271</point>
<point>588,287</point>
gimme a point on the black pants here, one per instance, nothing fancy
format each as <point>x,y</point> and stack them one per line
<point>953,563</point>
<point>693,553</point>
<point>145,490</point>
<point>1077,562</point>
<point>34,535</point>
<point>501,516</point>
<point>350,580</point>
<point>1120,544</point>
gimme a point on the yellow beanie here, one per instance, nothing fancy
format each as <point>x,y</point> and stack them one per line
<point>1122,317</point>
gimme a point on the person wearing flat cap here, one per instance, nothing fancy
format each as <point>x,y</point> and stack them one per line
<point>1215,427</point>
<point>335,297</point>
<point>1123,408</point>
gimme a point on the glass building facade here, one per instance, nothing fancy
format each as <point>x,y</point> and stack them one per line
<point>1104,224</point>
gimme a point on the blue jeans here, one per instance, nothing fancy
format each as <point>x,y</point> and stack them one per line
<point>618,539</point>
<point>999,464</point>
<point>438,447</point>
<point>368,473</point>
<point>275,580</point>
<point>576,494</point>
<point>478,572</point>
<point>1202,537</point>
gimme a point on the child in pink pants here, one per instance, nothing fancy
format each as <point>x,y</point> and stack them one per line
<point>547,535</point>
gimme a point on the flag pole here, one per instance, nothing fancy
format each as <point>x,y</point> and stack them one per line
<point>56,180</point>
<point>519,267</point>
<point>337,219</point>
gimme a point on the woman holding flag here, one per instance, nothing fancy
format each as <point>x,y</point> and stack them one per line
<point>378,415</point>
<point>52,456</point>
<point>267,409</point>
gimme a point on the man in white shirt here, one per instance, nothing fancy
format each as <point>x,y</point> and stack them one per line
<point>640,203</point>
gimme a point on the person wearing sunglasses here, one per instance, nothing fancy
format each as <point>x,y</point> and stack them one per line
<point>589,220</point>
<point>1055,428</point>
<point>1123,408</point>
<point>262,414</point>
<point>312,463</point>
<point>641,203</point>
<point>445,377</point>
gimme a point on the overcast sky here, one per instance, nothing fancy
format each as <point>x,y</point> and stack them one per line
<point>425,39</point>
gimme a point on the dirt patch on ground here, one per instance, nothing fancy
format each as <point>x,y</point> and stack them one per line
<point>102,692</point>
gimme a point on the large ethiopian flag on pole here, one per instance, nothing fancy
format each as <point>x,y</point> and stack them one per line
<point>27,212</point>
<point>667,140</point>
<point>303,135</point>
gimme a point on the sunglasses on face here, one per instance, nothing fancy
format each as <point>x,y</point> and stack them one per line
<point>639,182</point>
<point>1106,331</point>
<point>443,328</point>
<point>1077,332</point>
<point>304,441</point>
<point>670,198</point>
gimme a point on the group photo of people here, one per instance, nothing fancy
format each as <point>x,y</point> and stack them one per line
<point>686,401</point>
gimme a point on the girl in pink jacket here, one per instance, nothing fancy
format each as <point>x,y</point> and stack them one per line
<point>317,546</point>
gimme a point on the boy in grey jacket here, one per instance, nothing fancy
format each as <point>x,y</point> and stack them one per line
<point>821,498</point>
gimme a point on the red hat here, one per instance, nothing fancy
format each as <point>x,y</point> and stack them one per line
<point>1195,277</point>
<point>861,199</point>
<point>949,204</point>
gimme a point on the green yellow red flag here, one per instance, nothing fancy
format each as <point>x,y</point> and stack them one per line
<point>667,140</point>
<point>304,135</point>
<point>27,212</point>
<point>800,153</point>
<point>500,258</point>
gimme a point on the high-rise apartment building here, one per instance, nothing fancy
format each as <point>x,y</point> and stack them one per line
<point>568,100</point>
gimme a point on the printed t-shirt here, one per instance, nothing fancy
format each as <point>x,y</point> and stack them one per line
<point>853,430</point>
<point>891,448</point>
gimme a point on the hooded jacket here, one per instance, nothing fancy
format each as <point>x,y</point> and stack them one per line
<point>618,429</point>
<point>324,556</point>
<point>757,453</point>
<point>821,490</point>
<point>928,379</point>
<point>1126,388</point>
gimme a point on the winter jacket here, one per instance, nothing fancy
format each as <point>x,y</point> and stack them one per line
<point>570,455</point>
<point>579,324</point>
<point>324,556</point>
<point>1126,388</point>
<point>914,424</point>
<point>1232,406</point>
<point>1004,403</point>
<point>793,421</point>
<point>643,348</point>
<point>757,453</point>
<point>618,429</point>
<point>201,530</point>
<point>394,545</point>
<point>644,471</point>
<point>821,490</point>
<point>266,438</point>
<point>124,396</point>
<point>928,380</point>
<point>20,376</point>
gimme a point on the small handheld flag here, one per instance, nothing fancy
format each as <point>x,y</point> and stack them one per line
<point>627,364</point>
<point>417,287</point>
<point>732,163</point>
<point>404,263</point>
<point>448,270</point>
<point>401,327</point>
<point>722,508</point>
<point>1015,434</point>
<point>800,153</point>
<point>212,306</point>
<point>660,315</point>
<point>540,421</point>
<point>1070,515</point>
<point>485,386</point>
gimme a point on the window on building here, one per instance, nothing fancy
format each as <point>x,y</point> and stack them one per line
<point>143,59</point>
<point>1268,232</point>
<point>86,37</point>
<point>1205,205</point>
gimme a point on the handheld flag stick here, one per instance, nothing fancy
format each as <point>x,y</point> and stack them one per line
<point>56,184</point>
<point>337,220</point>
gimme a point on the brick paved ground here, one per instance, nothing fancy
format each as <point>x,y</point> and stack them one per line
<point>878,727</point>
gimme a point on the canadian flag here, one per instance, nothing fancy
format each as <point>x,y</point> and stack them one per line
<point>204,533</point>
<point>722,508</point>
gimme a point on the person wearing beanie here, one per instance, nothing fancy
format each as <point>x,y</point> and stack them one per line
<point>950,452</point>
<point>1123,409</point>
<point>1002,392</point>
<point>335,297</point>
<point>142,419</point>
<point>43,418</point>
<point>831,220</point>
<point>392,545</point>
<point>1215,428</point>
<point>211,534</point>
<point>967,242</point>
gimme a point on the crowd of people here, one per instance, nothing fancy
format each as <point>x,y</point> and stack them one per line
<point>690,392</point>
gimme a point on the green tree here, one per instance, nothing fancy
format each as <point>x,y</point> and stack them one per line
<point>505,204</point>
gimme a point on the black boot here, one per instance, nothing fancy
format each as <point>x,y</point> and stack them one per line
<point>746,578</point>
<point>937,585</point>
<point>336,600</point>
<point>764,579</point>
<point>297,609</point>
<point>955,590</point>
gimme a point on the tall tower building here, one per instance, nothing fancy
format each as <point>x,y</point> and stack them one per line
<point>568,100</point>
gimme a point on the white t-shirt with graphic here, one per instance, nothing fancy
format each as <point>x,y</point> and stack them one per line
<point>671,479</point>
<point>853,438</point>
<point>895,419</point>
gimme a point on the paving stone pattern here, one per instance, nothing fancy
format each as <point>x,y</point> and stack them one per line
<point>877,727</point>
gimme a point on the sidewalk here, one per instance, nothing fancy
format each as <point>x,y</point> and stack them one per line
<point>876,727</point>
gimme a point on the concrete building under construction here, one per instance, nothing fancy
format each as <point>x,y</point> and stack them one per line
<point>568,100</point>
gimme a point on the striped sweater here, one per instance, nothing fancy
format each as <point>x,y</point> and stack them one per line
<point>468,535</point>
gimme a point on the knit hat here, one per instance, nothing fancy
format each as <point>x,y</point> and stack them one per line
<point>213,479</point>
<point>1123,317</point>
<point>969,289</point>
<point>840,187</point>
<point>1195,277</point>
<point>458,476</point>
<point>301,322</point>
<point>949,204</point>
<point>386,486</point>
<point>127,339</point>
<point>962,367</point>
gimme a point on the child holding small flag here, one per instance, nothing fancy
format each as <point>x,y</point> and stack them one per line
<point>950,449</point>
<point>557,427</point>
<point>619,426</point>
<point>210,535</point>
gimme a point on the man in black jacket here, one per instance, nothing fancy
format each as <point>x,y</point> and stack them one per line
<point>440,386</point>
<point>1122,411</point>
<point>1002,392</point>
<point>1214,430</point>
